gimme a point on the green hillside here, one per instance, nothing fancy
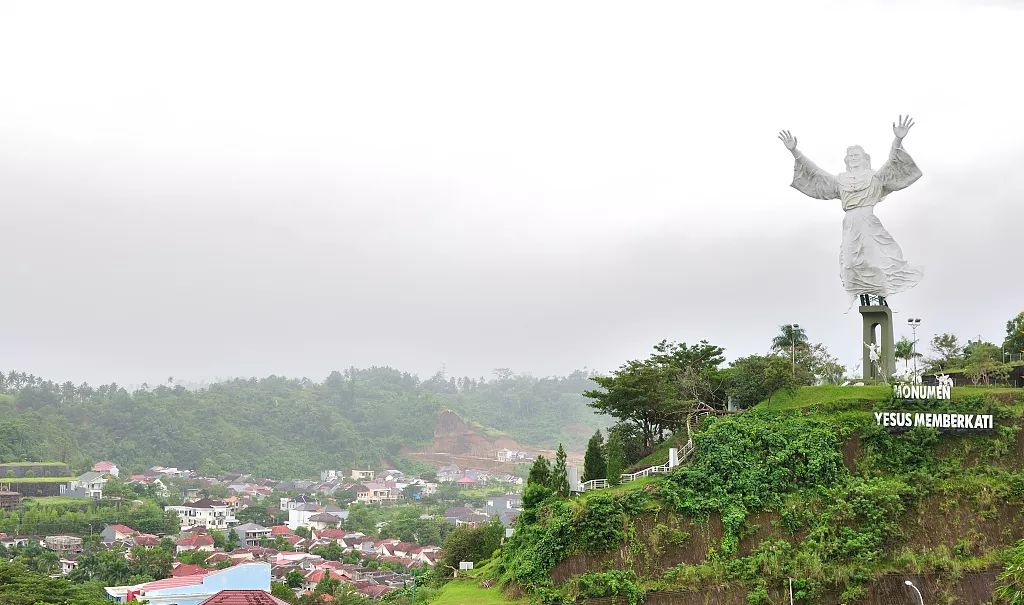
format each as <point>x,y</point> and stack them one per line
<point>279,427</point>
<point>807,487</point>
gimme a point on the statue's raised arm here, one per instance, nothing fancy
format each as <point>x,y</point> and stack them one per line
<point>807,177</point>
<point>899,171</point>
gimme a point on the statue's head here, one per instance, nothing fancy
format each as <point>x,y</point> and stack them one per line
<point>857,159</point>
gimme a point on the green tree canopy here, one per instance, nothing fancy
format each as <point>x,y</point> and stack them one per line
<point>658,393</point>
<point>595,466</point>
<point>559,482</point>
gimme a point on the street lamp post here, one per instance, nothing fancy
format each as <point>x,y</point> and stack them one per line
<point>919,596</point>
<point>792,341</point>
<point>914,324</point>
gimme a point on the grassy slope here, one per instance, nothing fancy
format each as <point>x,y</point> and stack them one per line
<point>830,400</point>
<point>468,592</point>
<point>804,397</point>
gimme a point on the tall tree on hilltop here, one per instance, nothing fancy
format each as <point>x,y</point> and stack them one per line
<point>789,336</point>
<point>905,350</point>
<point>616,456</point>
<point>540,472</point>
<point>1014,342</point>
<point>594,464</point>
<point>948,352</point>
<point>658,393</point>
<point>560,474</point>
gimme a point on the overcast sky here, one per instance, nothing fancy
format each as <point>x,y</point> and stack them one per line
<point>205,190</point>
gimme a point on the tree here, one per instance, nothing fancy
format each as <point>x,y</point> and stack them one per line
<point>1014,342</point>
<point>948,352</point>
<point>778,376</point>
<point>594,464</point>
<point>282,591</point>
<point>470,544</point>
<point>232,539</point>
<point>540,472</point>
<point>905,350</point>
<point>658,393</point>
<point>789,336</point>
<point>559,482</point>
<point>631,439</point>
<point>294,578</point>
<point>983,363</point>
<point>616,457</point>
<point>757,378</point>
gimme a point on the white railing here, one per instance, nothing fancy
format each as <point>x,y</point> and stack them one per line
<point>660,469</point>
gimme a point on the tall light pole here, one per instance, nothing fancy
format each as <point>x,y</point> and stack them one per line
<point>792,341</point>
<point>919,597</point>
<point>914,324</point>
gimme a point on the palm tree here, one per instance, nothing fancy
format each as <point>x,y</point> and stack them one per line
<point>790,336</point>
<point>905,351</point>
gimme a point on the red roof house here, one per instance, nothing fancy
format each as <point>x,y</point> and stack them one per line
<point>243,597</point>
<point>187,569</point>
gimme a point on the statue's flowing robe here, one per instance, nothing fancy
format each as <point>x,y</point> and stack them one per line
<point>870,260</point>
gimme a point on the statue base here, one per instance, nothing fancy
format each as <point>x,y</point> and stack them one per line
<point>878,333</point>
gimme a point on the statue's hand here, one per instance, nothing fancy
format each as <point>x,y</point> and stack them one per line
<point>901,128</point>
<point>787,139</point>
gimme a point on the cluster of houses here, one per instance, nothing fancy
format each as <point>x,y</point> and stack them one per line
<point>503,508</point>
<point>376,565</point>
<point>471,477</point>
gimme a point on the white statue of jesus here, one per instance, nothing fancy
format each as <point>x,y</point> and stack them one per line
<point>870,260</point>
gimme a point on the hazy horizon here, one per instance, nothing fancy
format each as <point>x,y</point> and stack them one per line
<point>539,187</point>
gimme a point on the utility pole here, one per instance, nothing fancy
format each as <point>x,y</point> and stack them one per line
<point>914,324</point>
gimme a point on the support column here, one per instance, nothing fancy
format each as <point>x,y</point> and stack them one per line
<point>879,316</point>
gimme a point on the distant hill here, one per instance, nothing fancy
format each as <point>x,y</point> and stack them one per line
<point>280,427</point>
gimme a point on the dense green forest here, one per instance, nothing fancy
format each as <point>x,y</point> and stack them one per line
<point>279,427</point>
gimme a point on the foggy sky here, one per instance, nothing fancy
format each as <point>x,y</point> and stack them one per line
<point>205,190</point>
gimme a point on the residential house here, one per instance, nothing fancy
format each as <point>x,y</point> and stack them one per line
<point>212,514</point>
<point>117,533</point>
<point>299,515</point>
<point>251,534</point>
<point>243,597</point>
<point>290,503</point>
<point>449,473</point>
<point>377,493</point>
<point>331,475</point>
<point>63,545</point>
<point>146,540</point>
<point>91,484</point>
<point>506,502</point>
<point>359,475</point>
<point>197,588</point>
<point>68,563</point>
<point>323,521</point>
<point>512,456</point>
<point>202,542</point>
<point>472,520</point>
<point>106,467</point>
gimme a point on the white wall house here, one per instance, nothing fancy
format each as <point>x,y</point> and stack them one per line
<point>213,514</point>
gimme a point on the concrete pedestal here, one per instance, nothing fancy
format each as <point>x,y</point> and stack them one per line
<point>878,316</point>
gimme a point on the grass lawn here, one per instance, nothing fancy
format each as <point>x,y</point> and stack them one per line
<point>36,479</point>
<point>468,592</point>
<point>32,464</point>
<point>832,394</point>
<point>53,501</point>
